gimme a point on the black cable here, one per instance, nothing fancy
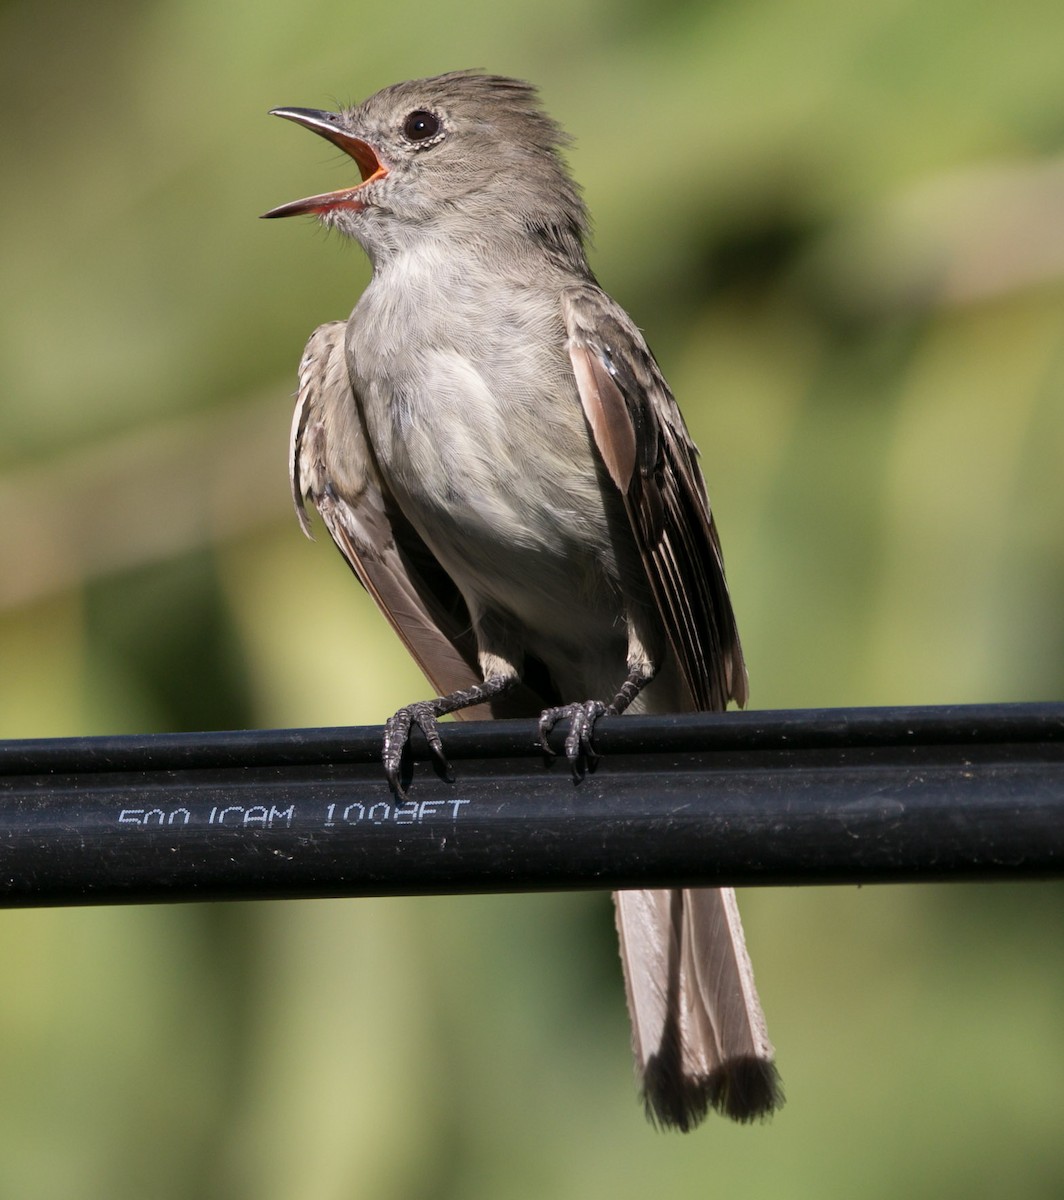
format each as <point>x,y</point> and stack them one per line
<point>797,797</point>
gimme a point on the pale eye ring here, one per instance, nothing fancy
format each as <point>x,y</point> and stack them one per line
<point>420,125</point>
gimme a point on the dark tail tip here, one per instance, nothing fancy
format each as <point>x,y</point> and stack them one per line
<point>745,1090</point>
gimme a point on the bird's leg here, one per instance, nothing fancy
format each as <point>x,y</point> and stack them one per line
<point>423,714</point>
<point>582,716</point>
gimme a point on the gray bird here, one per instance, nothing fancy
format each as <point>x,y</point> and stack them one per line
<point>493,448</point>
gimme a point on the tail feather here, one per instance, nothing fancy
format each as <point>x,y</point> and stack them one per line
<point>698,1032</point>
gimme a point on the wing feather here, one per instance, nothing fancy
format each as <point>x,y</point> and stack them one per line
<point>332,467</point>
<point>645,446</point>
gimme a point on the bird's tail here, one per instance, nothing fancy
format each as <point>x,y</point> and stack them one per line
<point>698,1031</point>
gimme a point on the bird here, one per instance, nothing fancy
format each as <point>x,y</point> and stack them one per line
<point>493,447</point>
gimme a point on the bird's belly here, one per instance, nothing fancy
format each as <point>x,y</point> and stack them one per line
<point>503,484</point>
<point>518,544</point>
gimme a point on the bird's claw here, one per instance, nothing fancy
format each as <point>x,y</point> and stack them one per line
<point>397,737</point>
<point>579,748</point>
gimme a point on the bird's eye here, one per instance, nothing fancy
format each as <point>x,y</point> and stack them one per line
<point>421,125</point>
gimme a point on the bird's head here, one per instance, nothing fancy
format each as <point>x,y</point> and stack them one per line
<point>461,153</point>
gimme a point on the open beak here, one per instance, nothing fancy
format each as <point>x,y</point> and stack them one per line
<point>327,125</point>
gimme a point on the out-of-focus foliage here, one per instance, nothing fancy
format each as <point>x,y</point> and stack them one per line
<point>842,226</point>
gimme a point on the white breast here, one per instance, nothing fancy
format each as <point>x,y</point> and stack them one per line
<point>472,409</point>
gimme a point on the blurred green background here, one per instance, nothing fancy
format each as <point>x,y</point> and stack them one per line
<point>842,227</point>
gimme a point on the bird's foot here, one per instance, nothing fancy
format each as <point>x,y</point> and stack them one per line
<point>579,748</point>
<point>397,729</point>
<point>424,714</point>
